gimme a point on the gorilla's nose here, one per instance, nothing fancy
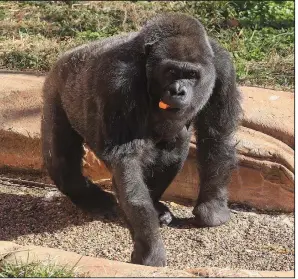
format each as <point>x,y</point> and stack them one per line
<point>177,90</point>
<point>175,96</point>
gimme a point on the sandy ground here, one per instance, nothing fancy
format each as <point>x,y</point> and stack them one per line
<point>251,240</point>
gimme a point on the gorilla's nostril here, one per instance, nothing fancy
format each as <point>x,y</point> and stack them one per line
<point>182,92</point>
<point>177,92</point>
<point>174,89</point>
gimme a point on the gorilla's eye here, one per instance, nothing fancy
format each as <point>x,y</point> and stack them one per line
<point>171,73</point>
<point>193,74</point>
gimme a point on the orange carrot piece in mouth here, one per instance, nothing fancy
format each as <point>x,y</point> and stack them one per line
<point>163,105</point>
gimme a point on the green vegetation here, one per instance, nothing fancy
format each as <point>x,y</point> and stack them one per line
<point>34,270</point>
<point>259,34</point>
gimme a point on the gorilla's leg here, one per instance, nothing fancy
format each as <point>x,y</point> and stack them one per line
<point>216,160</point>
<point>171,157</point>
<point>216,151</point>
<point>139,211</point>
<point>62,152</point>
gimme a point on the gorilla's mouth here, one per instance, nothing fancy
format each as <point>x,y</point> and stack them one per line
<point>170,109</point>
<point>167,107</point>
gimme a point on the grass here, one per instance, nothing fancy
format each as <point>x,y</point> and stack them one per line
<point>34,270</point>
<point>260,35</point>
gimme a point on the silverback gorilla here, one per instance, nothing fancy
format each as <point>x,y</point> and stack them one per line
<point>108,94</point>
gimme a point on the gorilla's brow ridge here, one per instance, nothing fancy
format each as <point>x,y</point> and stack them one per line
<point>181,64</point>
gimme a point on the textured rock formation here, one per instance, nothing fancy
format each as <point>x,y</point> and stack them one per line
<point>264,179</point>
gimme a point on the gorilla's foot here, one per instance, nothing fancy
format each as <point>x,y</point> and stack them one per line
<point>94,199</point>
<point>212,213</point>
<point>164,214</point>
<point>152,255</point>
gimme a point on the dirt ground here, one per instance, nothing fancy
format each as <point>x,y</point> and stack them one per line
<point>251,240</point>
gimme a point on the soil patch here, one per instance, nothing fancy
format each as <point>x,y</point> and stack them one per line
<point>251,240</point>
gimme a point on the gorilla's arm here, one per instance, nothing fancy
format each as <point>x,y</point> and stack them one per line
<point>139,212</point>
<point>215,125</point>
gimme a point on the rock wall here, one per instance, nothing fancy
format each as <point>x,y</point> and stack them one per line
<point>264,179</point>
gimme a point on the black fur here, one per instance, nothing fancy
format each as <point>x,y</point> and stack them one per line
<point>106,94</point>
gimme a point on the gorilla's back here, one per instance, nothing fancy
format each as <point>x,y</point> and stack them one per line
<point>81,78</point>
<point>99,46</point>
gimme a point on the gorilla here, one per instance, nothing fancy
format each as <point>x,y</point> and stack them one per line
<point>134,100</point>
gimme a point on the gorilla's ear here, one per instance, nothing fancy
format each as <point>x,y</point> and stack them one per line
<point>148,47</point>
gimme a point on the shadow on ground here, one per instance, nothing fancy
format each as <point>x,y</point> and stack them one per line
<point>26,214</point>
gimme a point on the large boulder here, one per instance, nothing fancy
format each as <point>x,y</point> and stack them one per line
<point>264,179</point>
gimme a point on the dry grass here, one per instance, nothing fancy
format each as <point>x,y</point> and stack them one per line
<point>34,33</point>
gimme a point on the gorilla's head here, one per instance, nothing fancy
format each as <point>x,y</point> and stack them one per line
<point>180,69</point>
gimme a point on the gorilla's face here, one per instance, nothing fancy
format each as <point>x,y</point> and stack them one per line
<point>178,82</point>
<point>182,77</point>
